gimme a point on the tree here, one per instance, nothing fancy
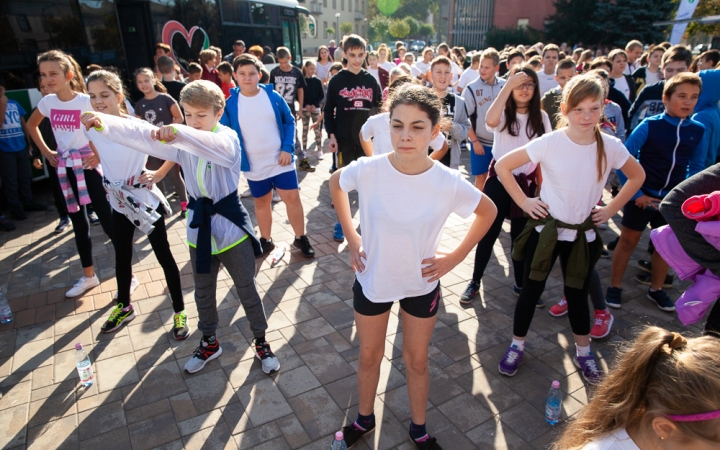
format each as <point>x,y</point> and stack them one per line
<point>619,21</point>
<point>705,8</point>
<point>413,24</point>
<point>346,28</point>
<point>379,27</point>
<point>499,37</point>
<point>426,30</point>
<point>418,9</point>
<point>570,22</point>
<point>399,29</point>
<point>330,31</point>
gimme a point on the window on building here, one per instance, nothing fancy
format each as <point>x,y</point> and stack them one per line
<point>523,23</point>
<point>342,5</point>
<point>356,6</point>
<point>334,4</point>
<point>325,29</point>
<point>350,5</point>
<point>23,23</point>
<point>325,3</point>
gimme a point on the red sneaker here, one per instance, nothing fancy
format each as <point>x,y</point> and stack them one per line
<point>560,309</point>
<point>602,325</point>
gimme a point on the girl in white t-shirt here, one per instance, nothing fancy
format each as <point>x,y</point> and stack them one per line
<point>515,118</point>
<point>324,61</point>
<point>575,161</point>
<point>137,202</point>
<point>664,394</point>
<point>78,169</point>
<point>405,198</point>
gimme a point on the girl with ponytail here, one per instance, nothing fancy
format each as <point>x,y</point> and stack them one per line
<point>78,168</point>
<point>663,394</point>
<point>576,160</point>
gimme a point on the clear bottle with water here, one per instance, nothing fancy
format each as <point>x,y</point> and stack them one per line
<point>5,311</point>
<point>553,404</point>
<point>84,366</point>
<point>339,442</point>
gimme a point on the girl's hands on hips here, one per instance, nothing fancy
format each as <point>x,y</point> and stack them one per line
<point>535,207</point>
<point>149,178</point>
<point>356,251</point>
<point>600,215</point>
<point>438,266</point>
<point>90,162</point>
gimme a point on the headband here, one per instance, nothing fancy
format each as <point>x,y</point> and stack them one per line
<point>695,417</point>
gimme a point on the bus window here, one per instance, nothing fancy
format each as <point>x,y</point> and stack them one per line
<point>291,40</point>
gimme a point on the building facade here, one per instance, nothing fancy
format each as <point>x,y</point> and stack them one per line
<point>332,14</point>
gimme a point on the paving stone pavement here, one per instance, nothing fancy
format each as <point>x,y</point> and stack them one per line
<point>142,398</point>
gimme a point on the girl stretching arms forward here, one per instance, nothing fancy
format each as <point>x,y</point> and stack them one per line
<point>78,168</point>
<point>137,203</point>
<point>405,199</point>
<point>664,394</point>
<point>575,161</point>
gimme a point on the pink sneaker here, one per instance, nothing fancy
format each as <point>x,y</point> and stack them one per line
<point>560,309</point>
<point>602,325</point>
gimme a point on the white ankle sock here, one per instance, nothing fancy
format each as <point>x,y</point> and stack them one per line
<point>582,351</point>
<point>520,345</point>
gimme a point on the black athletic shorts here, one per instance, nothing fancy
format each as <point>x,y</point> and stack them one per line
<point>423,307</point>
<point>636,218</point>
<point>348,151</point>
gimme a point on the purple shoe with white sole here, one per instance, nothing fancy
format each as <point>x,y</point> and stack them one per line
<point>510,362</point>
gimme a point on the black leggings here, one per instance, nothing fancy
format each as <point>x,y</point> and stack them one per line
<point>497,193</point>
<point>124,237</point>
<point>81,226</point>
<point>578,309</point>
<point>58,196</point>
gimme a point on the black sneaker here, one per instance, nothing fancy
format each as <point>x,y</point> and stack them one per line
<point>352,434</point>
<point>614,191</point>
<point>303,243</point>
<point>117,318</point>
<point>470,292</point>
<point>613,297</point>
<point>646,279</point>
<point>6,224</point>
<point>62,226</point>
<point>34,207</point>
<point>266,356</point>
<point>611,245</point>
<point>93,218</point>
<point>540,303</point>
<point>267,245</point>
<point>661,299</point>
<point>305,165</point>
<point>644,265</point>
<point>604,254</point>
<point>180,329</point>
<point>429,444</point>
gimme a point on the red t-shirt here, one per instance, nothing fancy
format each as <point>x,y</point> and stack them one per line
<point>226,88</point>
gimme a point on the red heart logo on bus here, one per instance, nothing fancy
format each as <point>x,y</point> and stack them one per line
<point>173,27</point>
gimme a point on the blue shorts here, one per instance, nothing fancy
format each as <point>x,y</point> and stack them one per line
<point>480,164</point>
<point>285,181</point>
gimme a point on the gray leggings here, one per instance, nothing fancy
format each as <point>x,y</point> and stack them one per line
<point>240,264</point>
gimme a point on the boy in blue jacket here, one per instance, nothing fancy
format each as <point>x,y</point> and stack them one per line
<point>670,147</point>
<point>266,129</point>
<point>707,112</point>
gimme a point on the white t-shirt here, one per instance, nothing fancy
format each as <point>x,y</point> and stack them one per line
<point>65,119</point>
<point>377,128</point>
<point>617,440</point>
<point>456,71</point>
<point>651,77</point>
<point>570,184</point>
<point>621,85</point>
<point>121,163</point>
<point>387,65</point>
<point>402,219</point>
<point>467,77</point>
<point>323,71</point>
<point>261,137</point>
<point>423,67</point>
<point>414,71</point>
<point>547,82</point>
<point>375,73</point>
<point>504,142</point>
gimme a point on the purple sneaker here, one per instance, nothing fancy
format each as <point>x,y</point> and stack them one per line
<point>589,367</point>
<point>510,362</point>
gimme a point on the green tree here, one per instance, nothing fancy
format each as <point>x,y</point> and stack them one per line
<point>499,37</point>
<point>330,31</point>
<point>379,27</point>
<point>570,21</point>
<point>399,29</point>
<point>619,21</point>
<point>705,8</point>
<point>413,24</point>
<point>418,9</point>
<point>346,28</point>
<point>426,30</point>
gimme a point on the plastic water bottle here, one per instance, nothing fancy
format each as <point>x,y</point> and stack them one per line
<point>84,366</point>
<point>553,404</point>
<point>5,311</point>
<point>277,254</point>
<point>339,442</point>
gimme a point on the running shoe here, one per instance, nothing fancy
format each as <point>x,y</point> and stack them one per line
<point>510,362</point>
<point>611,245</point>
<point>320,155</point>
<point>603,324</point>
<point>338,233</point>
<point>208,350</point>
<point>246,193</point>
<point>269,361</point>
<point>93,218</point>
<point>646,279</point>
<point>613,297</point>
<point>180,328</point>
<point>62,225</point>
<point>661,299</point>
<point>470,292</point>
<point>559,309</point>
<point>428,444</point>
<point>267,245</point>
<point>276,197</point>
<point>117,317</point>
<point>645,265</point>
<point>589,368</point>
<point>83,285</point>
<point>303,243</point>
<point>7,225</point>
<point>305,165</point>
<point>352,434</point>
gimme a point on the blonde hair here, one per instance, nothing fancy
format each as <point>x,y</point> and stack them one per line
<point>67,64</point>
<point>660,374</point>
<point>203,94</point>
<point>577,90</point>
<point>206,55</point>
<point>113,82</point>
<point>148,72</point>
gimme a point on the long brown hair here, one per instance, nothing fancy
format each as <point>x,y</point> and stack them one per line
<point>577,90</point>
<point>661,374</point>
<point>330,57</point>
<point>157,84</point>
<point>535,126</point>
<point>112,81</point>
<point>67,64</point>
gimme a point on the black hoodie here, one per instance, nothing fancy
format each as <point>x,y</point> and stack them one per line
<point>349,100</point>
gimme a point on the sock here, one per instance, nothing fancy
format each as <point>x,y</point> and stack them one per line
<point>418,433</point>
<point>210,339</point>
<point>582,351</point>
<point>260,340</point>
<point>520,345</point>
<point>364,423</point>
<point>653,290</point>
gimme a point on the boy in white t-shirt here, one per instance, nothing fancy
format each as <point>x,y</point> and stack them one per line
<point>266,128</point>
<point>470,74</point>
<point>546,77</point>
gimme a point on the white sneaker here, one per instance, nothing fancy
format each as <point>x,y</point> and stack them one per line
<point>320,155</point>
<point>134,283</point>
<point>83,285</point>
<point>602,226</point>
<point>276,198</point>
<point>246,194</point>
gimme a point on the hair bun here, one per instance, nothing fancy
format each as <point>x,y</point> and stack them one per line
<point>678,341</point>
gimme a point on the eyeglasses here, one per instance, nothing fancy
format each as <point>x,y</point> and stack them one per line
<point>525,87</point>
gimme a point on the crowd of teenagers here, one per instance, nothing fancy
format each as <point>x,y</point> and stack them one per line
<point>546,128</point>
